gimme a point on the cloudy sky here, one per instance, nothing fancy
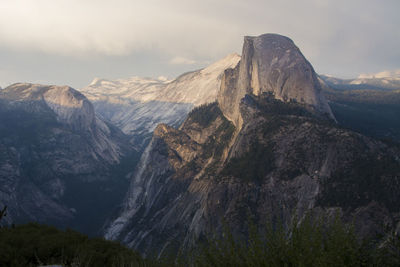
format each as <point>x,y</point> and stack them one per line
<point>73,41</point>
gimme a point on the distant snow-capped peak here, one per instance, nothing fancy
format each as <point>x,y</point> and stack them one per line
<point>195,87</point>
<point>393,74</point>
<point>137,105</point>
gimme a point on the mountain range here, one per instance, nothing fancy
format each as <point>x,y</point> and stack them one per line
<point>159,165</point>
<point>138,105</point>
<point>269,148</point>
<point>385,80</point>
<point>58,157</point>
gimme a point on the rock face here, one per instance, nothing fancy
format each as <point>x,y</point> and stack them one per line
<point>138,105</point>
<point>53,150</point>
<point>71,109</point>
<point>272,159</point>
<point>271,63</point>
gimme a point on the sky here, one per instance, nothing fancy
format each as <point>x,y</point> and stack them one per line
<point>70,42</point>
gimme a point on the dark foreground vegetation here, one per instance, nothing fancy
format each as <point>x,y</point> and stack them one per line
<point>310,243</point>
<point>34,245</point>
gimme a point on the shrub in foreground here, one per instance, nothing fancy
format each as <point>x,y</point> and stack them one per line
<point>33,244</point>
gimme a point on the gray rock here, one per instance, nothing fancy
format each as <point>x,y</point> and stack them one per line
<point>281,160</point>
<point>53,150</point>
<point>137,105</point>
<point>271,63</point>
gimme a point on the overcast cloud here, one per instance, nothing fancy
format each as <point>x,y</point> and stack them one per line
<point>73,41</point>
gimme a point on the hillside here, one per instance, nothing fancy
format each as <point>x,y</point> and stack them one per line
<point>58,159</point>
<point>374,113</point>
<point>260,155</point>
<point>138,105</point>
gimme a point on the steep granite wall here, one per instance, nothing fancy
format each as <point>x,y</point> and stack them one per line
<point>271,63</point>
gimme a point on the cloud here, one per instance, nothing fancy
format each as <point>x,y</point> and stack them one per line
<point>339,37</point>
<point>118,27</point>
<point>181,61</point>
<point>5,77</point>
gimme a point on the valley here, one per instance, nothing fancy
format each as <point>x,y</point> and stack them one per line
<point>160,166</point>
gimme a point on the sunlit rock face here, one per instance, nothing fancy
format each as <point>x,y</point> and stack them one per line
<point>137,105</point>
<point>271,63</point>
<point>267,150</point>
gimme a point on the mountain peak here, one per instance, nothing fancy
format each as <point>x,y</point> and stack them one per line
<point>230,61</point>
<point>271,63</point>
<point>391,74</point>
<point>96,82</point>
<point>271,40</point>
<point>70,106</point>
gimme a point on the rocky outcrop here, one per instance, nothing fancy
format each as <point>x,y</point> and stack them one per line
<point>274,159</point>
<point>138,105</point>
<point>281,166</point>
<point>273,64</point>
<point>54,152</point>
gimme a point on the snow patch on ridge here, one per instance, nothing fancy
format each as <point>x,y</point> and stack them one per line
<point>137,105</point>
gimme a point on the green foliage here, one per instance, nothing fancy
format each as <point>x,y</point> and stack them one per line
<point>34,244</point>
<point>259,160</point>
<point>380,121</point>
<point>216,144</point>
<point>371,112</point>
<point>389,253</point>
<point>364,96</point>
<point>268,104</point>
<point>367,178</point>
<point>311,242</point>
<point>253,165</point>
<point>205,114</point>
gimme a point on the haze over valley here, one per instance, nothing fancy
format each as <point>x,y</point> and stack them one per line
<point>264,134</point>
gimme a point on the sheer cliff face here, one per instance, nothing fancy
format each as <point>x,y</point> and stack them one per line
<point>283,162</point>
<point>271,63</point>
<point>138,105</point>
<point>273,159</point>
<point>53,149</point>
